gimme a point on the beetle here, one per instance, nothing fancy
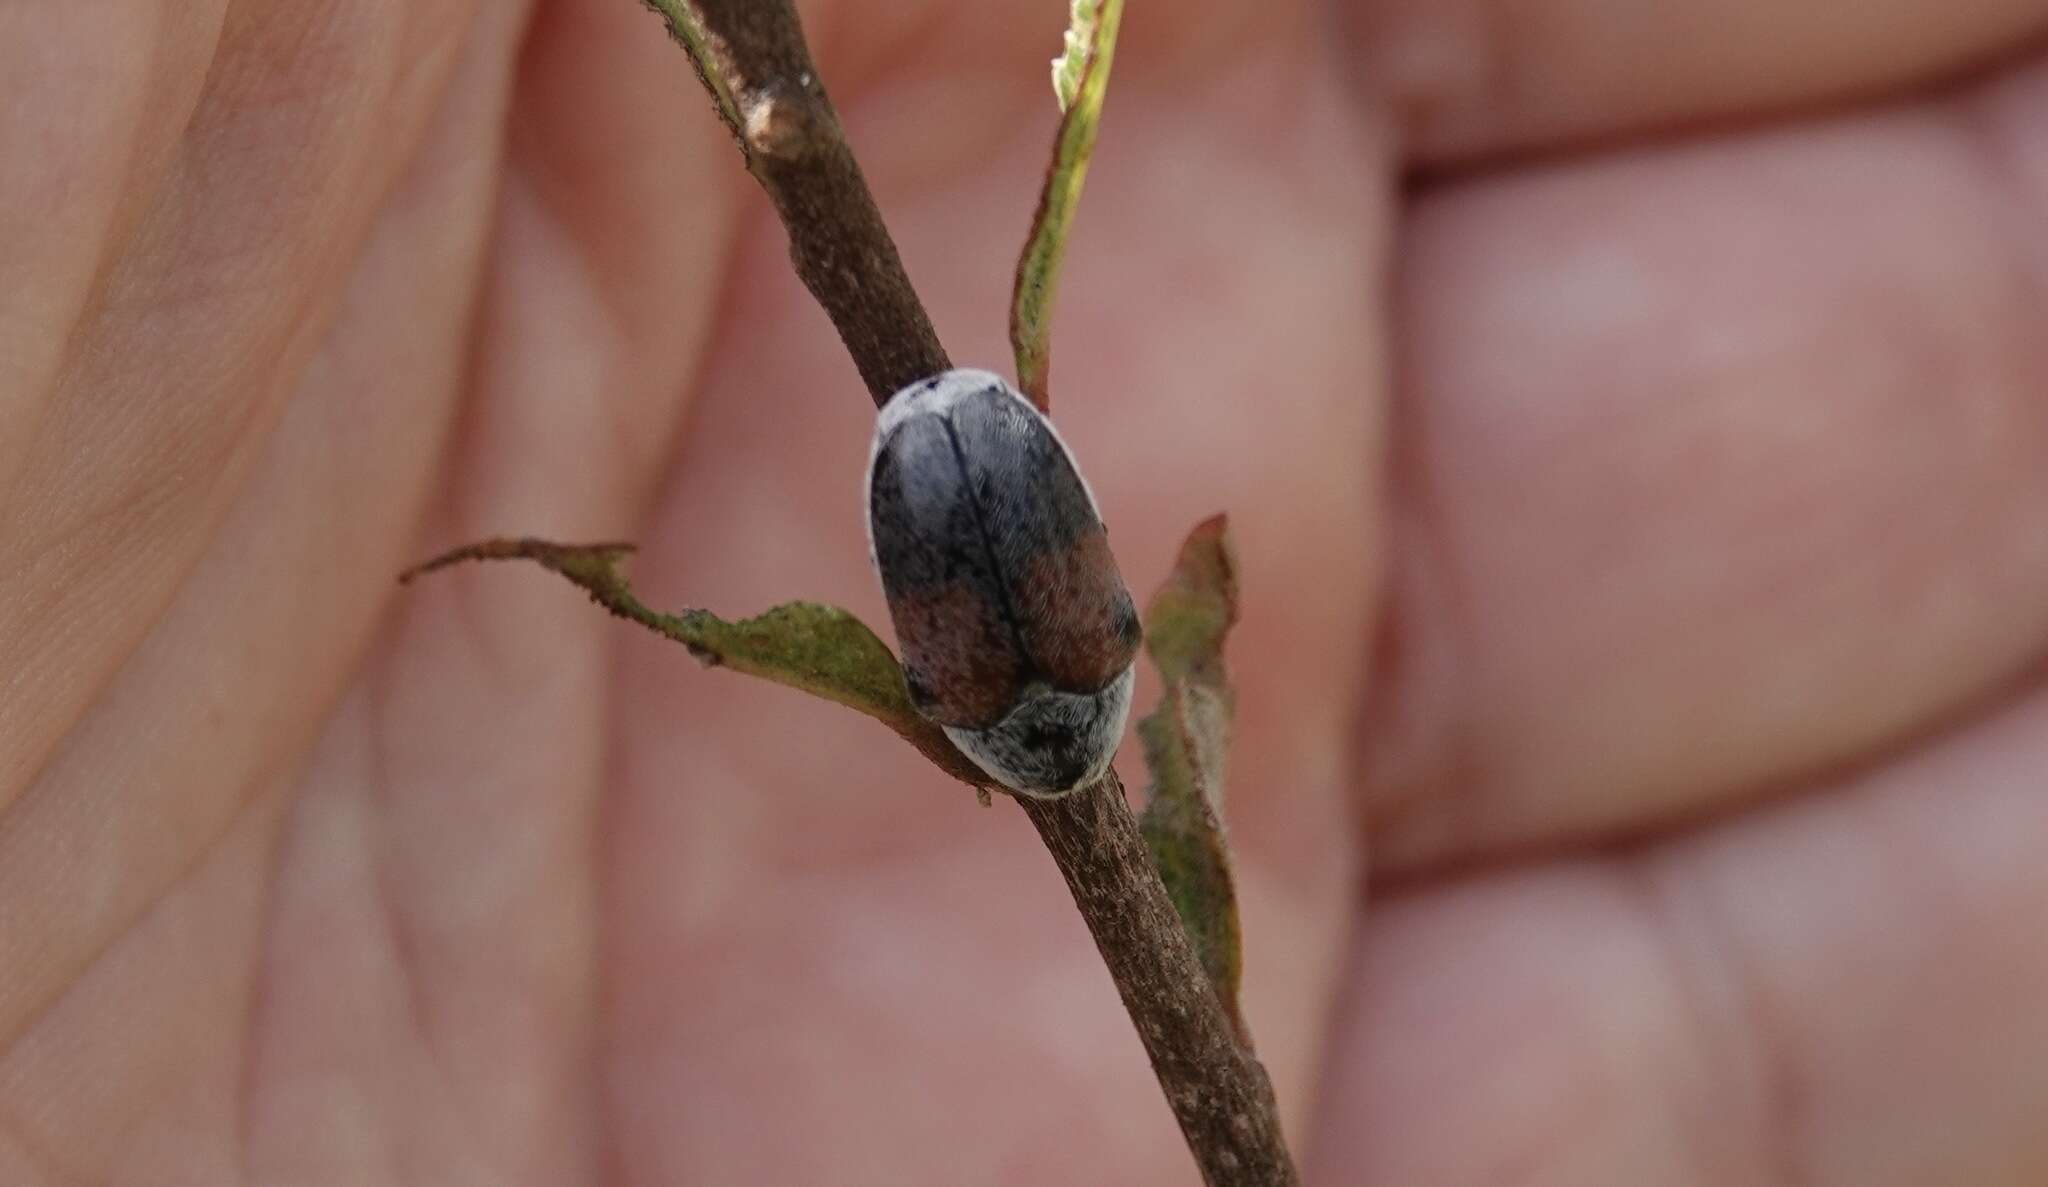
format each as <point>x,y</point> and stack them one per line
<point>1017,632</point>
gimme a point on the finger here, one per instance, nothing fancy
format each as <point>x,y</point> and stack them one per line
<point>1842,990</point>
<point>816,933</point>
<point>1716,465</point>
<point>195,332</point>
<point>1480,77</point>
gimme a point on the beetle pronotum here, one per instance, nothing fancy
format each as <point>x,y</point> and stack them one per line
<point>1017,632</point>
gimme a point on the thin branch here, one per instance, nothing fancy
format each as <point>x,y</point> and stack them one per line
<point>752,56</point>
<point>1218,1091</point>
<point>754,52</point>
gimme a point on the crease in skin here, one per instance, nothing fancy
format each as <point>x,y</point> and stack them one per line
<point>151,125</point>
<point>2005,121</point>
<point>1483,80</point>
<point>408,962</point>
<point>129,1074</point>
<point>39,1038</point>
<point>1916,877</point>
<point>38,816</point>
<point>424,950</point>
<point>61,961</point>
<point>1739,1038</point>
<point>1415,748</point>
<point>1422,58</point>
<point>382,857</point>
<point>617,261</point>
<point>187,458</point>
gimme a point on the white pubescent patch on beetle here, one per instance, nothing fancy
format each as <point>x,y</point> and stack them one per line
<point>936,397</point>
<point>1053,741</point>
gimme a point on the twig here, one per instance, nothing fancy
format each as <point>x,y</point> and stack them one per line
<point>755,58</point>
<point>1218,1091</point>
<point>758,68</point>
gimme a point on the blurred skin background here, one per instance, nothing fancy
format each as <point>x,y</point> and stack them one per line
<point>1634,420</point>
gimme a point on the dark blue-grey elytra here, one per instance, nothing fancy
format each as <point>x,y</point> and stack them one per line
<point>1017,632</point>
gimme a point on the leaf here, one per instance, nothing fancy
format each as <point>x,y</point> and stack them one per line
<point>821,650</point>
<point>1080,79</point>
<point>1187,746</point>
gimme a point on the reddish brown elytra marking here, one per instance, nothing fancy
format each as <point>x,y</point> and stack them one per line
<point>1016,629</point>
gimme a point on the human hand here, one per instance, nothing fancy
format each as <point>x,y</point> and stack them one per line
<point>1684,493</point>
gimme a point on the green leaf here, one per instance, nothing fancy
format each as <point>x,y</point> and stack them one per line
<point>821,650</point>
<point>1080,79</point>
<point>1187,747</point>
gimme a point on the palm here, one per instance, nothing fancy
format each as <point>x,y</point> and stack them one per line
<point>1682,477</point>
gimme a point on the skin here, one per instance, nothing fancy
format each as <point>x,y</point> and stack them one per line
<point>1644,523</point>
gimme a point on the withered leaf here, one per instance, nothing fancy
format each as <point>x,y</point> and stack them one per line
<point>821,650</point>
<point>1187,746</point>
